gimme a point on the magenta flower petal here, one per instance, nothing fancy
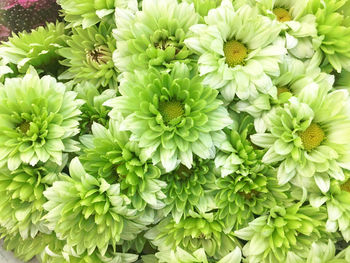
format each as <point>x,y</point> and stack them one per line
<point>27,3</point>
<point>4,32</point>
<point>7,4</point>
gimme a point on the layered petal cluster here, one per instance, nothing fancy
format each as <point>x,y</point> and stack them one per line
<point>192,233</point>
<point>189,189</point>
<point>89,213</point>
<point>309,137</point>
<point>202,7</point>
<point>57,251</point>
<point>247,187</point>
<point>270,237</point>
<point>172,115</point>
<point>322,253</point>
<point>90,12</point>
<point>111,155</point>
<point>299,25</point>
<point>295,75</point>
<point>37,48</point>
<point>239,51</point>
<point>26,249</point>
<point>338,207</point>
<point>333,28</point>
<point>182,131</point>
<point>181,256</point>
<point>144,42</point>
<point>93,110</point>
<point>38,120</point>
<point>21,205</point>
<point>88,56</point>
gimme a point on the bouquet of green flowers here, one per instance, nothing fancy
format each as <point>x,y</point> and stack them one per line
<point>177,131</point>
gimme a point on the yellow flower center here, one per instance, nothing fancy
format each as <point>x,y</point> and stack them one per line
<point>171,110</point>
<point>235,53</point>
<point>282,14</point>
<point>312,136</point>
<point>24,126</point>
<point>281,90</point>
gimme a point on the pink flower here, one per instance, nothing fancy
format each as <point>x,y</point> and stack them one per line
<point>4,32</point>
<point>24,3</point>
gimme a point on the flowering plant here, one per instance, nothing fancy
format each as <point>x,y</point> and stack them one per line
<point>175,131</point>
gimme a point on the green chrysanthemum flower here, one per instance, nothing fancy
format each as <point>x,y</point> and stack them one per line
<point>321,253</point>
<point>334,32</point>
<point>38,120</point>
<point>237,154</point>
<point>89,213</point>
<point>142,43</point>
<point>57,251</point>
<point>90,12</point>
<point>199,256</point>
<point>171,115</point>
<point>89,56</point>
<point>189,188</point>
<point>192,233</point>
<point>309,136</point>
<point>22,199</point>
<point>37,48</point>
<point>337,201</point>
<point>299,26</point>
<point>258,106</point>
<point>26,249</point>
<point>295,76</point>
<point>248,187</point>
<point>93,110</point>
<point>271,237</point>
<point>338,207</point>
<point>238,51</point>
<point>111,155</point>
